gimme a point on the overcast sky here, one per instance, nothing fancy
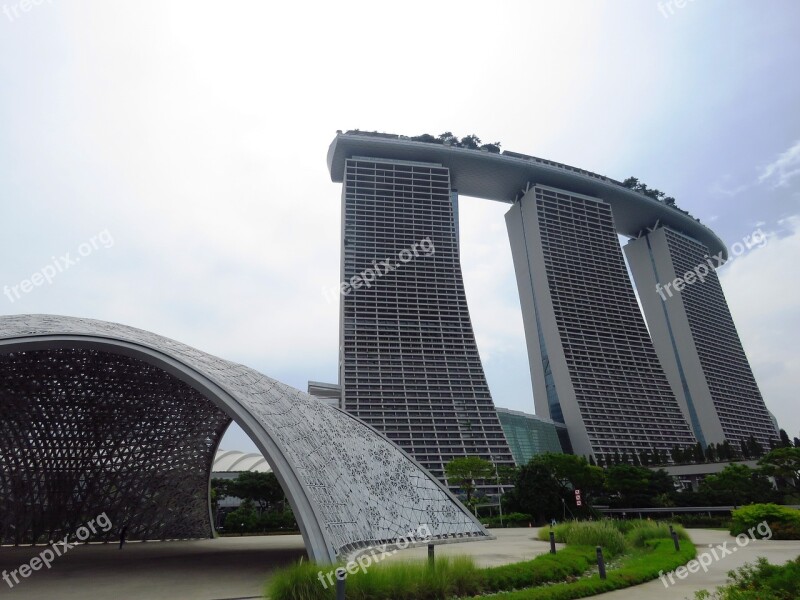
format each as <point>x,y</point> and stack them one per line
<point>194,134</point>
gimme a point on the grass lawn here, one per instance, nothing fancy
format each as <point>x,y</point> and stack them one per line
<point>639,566</point>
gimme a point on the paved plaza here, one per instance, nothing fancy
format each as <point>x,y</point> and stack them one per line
<point>236,568</point>
<point>777,552</point>
<point>220,569</point>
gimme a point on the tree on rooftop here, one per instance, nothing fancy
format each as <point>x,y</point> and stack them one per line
<point>493,148</point>
<point>448,138</point>
<point>425,137</point>
<point>472,142</point>
<point>637,186</point>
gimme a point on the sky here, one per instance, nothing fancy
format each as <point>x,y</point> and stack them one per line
<point>177,149</point>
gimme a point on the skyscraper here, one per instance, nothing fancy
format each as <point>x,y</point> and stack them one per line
<point>696,338</point>
<point>592,362</point>
<point>409,365</point>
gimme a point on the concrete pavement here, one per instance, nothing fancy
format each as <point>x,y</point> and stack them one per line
<point>511,545</point>
<point>777,552</point>
<point>220,569</point>
<point>236,568</point>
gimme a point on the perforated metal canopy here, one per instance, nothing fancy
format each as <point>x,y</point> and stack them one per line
<point>99,417</point>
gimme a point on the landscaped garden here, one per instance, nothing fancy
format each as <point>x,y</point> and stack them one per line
<point>761,581</point>
<point>635,552</point>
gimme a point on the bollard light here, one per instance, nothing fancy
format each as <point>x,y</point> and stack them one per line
<point>601,563</point>
<point>341,576</point>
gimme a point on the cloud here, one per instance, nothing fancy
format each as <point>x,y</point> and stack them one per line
<point>763,301</point>
<point>724,187</point>
<point>785,167</point>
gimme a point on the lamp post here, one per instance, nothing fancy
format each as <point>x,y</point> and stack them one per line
<point>499,494</point>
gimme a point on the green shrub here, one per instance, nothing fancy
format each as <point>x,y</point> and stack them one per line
<point>588,533</point>
<point>634,569</point>
<point>721,521</point>
<point>785,531</point>
<point>276,521</point>
<point>785,520</point>
<point>298,582</point>
<point>640,531</point>
<point>545,568</point>
<point>398,580</point>
<point>402,580</point>
<point>459,577</point>
<point>761,581</point>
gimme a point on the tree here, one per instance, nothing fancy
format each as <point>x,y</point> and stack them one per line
<point>660,483</point>
<point>637,486</point>
<point>493,148</point>
<point>797,442</point>
<point>737,484</point>
<point>536,493</point>
<point>638,186</point>
<point>425,137</point>
<point>724,451</point>
<point>219,489</point>
<point>242,519</point>
<point>463,472</point>
<point>507,474</point>
<point>745,449</point>
<point>472,142</point>
<point>630,484</point>
<point>261,488</point>
<point>546,486</point>
<point>631,182</point>
<point>783,463</point>
<point>571,472</point>
<point>785,441</point>
<point>448,138</point>
<point>698,455</point>
<point>756,450</point>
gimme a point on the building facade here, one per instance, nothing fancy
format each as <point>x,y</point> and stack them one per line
<point>592,362</point>
<point>529,435</point>
<point>696,338</point>
<point>409,365</point>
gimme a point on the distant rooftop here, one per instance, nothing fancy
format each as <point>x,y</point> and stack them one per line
<point>234,461</point>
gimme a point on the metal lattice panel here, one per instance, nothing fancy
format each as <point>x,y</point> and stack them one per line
<point>348,485</point>
<point>84,432</point>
